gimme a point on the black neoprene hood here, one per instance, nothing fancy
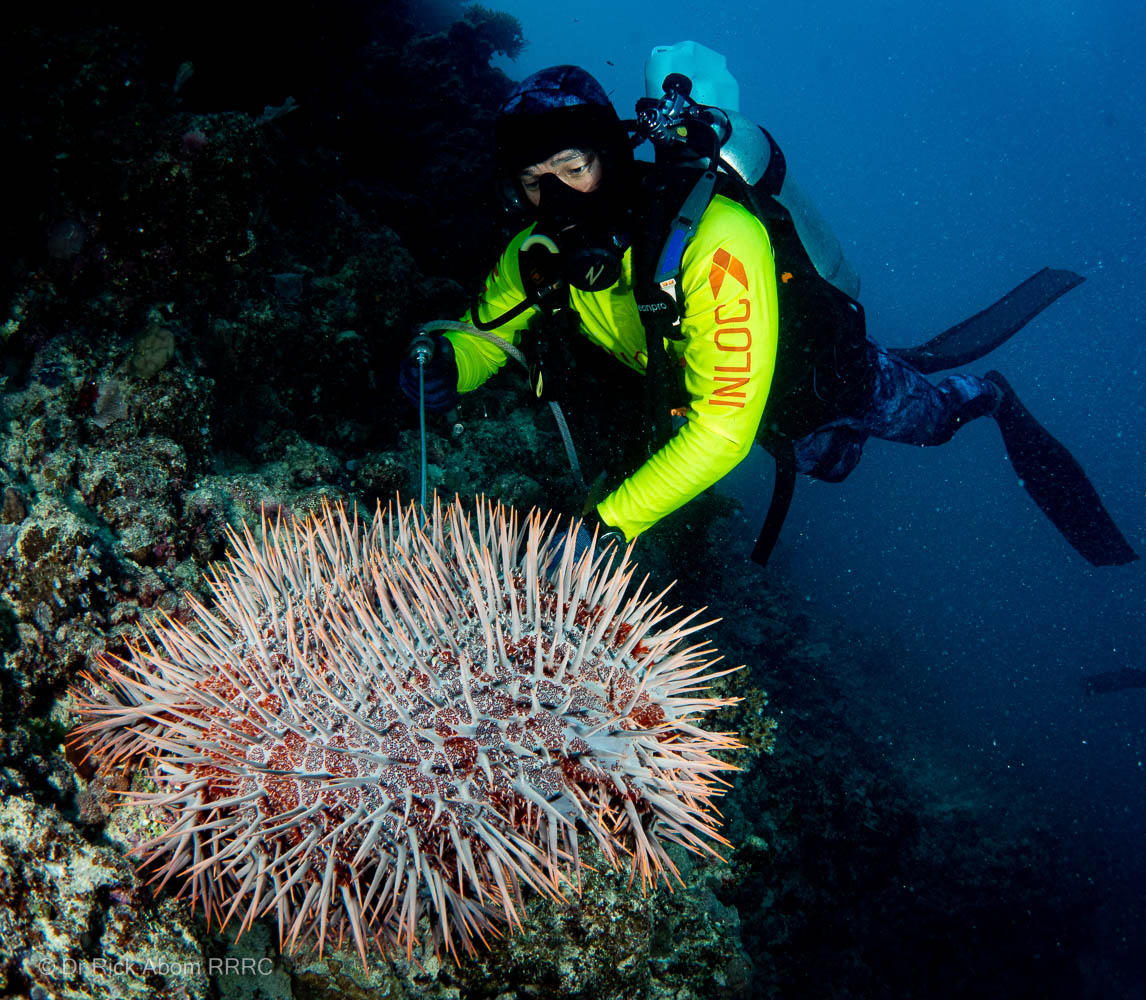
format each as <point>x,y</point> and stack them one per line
<point>558,108</point>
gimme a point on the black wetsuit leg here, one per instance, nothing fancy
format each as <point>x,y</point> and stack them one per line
<point>905,406</point>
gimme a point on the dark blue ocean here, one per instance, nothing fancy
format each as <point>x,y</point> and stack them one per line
<point>956,149</point>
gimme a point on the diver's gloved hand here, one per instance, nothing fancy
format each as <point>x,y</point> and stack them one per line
<point>590,525</point>
<point>440,377</point>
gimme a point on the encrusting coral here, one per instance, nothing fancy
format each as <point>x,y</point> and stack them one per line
<point>419,711</point>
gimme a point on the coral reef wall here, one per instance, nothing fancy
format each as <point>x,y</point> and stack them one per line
<point>222,241</point>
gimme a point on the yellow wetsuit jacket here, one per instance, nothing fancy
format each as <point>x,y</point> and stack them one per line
<point>727,291</point>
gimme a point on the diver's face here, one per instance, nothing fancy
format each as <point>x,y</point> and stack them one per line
<point>580,169</point>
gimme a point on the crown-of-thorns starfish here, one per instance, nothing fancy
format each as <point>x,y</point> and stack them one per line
<point>420,711</point>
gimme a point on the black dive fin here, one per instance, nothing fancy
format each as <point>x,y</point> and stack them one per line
<point>1115,680</point>
<point>982,333</point>
<point>1057,483</point>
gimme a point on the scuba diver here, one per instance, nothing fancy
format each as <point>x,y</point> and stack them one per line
<point>707,272</point>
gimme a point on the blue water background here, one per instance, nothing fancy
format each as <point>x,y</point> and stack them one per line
<point>956,149</point>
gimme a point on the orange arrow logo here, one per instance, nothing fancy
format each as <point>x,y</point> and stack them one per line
<point>724,263</point>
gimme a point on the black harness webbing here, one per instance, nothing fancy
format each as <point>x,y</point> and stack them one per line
<point>655,284</point>
<point>782,490</point>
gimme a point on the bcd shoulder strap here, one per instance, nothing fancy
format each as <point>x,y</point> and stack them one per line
<point>658,250</point>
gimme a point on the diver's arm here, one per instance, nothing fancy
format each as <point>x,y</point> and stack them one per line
<point>478,358</point>
<point>730,327</point>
